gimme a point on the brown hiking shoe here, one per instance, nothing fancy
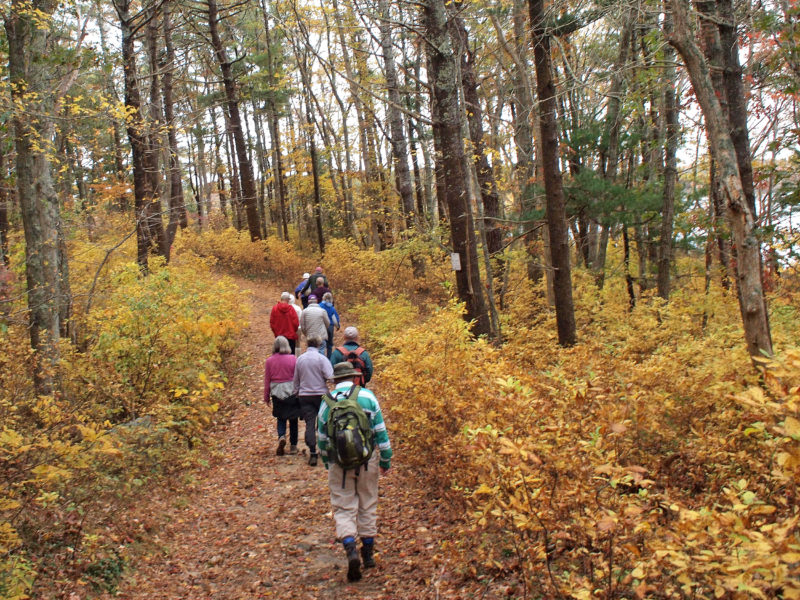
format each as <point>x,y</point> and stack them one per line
<point>312,460</point>
<point>281,446</point>
<point>293,449</point>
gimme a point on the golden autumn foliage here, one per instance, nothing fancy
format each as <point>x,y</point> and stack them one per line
<point>648,461</point>
<point>135,394</point>
<point>651,460</point>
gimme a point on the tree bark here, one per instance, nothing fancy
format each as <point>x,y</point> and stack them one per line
<point>556,213</point>
<point>30,76</point>
<point>486,183</point>
<point>609,151</point>
<point>177,206</point>
<point>149,226</point>
<point>672,131</point>
<point>248,185</point>
<point>398,136</point>
<point>450,176</point>
<point>752,304</point>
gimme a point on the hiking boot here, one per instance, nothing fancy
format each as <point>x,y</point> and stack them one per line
<point>353,562</point>
<point>293,449</point>
<point>312,460</point>
<point>281,445</point>
<point>367,554</point>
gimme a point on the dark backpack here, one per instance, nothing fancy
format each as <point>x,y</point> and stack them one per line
<point>350,437</point>
<point>359,364</point>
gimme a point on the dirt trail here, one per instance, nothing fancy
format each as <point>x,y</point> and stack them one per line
<point>255,525</point>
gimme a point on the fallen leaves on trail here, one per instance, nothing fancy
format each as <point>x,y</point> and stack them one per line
<point>254,525</point>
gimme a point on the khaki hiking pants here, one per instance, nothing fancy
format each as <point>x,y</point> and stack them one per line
<point>355,508</point>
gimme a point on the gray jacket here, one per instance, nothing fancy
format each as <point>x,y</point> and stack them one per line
<point>314,322</point>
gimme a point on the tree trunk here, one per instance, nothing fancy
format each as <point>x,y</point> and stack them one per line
<point>31,87</point>
<point>177,207</point>
<point>752,305</point>
<point>446,115</point>
<point>670,167</point>
<point>609,152</point>
<point>486,183</point>
<point>3,210</point>
<point>149,226</point>
<point>248,186</point>
<point>556,214</point>
<point>312,151</point>
<point>398,136</point>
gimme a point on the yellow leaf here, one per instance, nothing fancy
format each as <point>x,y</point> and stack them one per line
<point>792,426</point>
<point>790,557</point>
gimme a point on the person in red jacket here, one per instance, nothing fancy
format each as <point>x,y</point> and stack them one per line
<point>283,320</point>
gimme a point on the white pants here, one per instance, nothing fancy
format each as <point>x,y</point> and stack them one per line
<point>355,507</point>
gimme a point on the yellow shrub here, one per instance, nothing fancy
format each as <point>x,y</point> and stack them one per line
<point>620,466</point>
<point>133,398</point>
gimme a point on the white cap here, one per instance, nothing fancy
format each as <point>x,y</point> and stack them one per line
<point>350,333</point>
<point>306,275</point>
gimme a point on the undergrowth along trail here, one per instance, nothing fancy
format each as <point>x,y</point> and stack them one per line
<point>255,525</point>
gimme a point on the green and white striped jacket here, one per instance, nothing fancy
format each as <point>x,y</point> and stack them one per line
<point>370,404</point>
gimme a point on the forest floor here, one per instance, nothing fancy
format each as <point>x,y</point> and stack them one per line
<point>256,525</point>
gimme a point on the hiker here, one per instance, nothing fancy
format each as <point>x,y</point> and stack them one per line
<point>333,316</point>
<point>321,288</point>
<point>314,321</point>
<point>298,291</point>
<point>354,492</point>
<point>311,283</point>
<point>309,384</point>
<point>298,310</point>
<point>278,389</point>
<point>352,352</point>
<point>283,320</point>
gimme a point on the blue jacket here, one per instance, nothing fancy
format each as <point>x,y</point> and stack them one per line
<point>332,314</point>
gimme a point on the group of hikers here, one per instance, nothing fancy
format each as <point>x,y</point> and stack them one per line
<point>344,424</point>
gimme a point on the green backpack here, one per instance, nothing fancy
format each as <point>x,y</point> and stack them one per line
<point>351,440</point>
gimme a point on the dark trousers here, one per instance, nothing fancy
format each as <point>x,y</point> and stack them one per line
<point>292,345</point>
<point>309,407</point>
<point>292,430</point>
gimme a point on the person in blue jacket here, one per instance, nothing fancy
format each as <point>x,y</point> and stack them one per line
<point>298,291</point>
<point>327,304</point>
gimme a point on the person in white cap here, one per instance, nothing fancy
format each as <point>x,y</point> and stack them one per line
<point>352,352</point>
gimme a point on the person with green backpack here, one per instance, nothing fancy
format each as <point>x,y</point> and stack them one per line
<point>354,445</point>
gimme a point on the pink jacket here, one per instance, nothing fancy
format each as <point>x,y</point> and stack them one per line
<point>279,367</point>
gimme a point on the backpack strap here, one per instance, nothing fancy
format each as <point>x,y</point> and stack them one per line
<point>358,351</point>
<point>329,400</point>
<point>342,350</point>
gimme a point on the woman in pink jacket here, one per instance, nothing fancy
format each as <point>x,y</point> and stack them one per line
<point>278,376</point>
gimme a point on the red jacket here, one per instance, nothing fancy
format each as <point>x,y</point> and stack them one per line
<point>283,320</point>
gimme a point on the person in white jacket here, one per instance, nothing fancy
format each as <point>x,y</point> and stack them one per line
<point>314,322</point>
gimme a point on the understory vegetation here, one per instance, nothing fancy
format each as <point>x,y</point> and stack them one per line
<point>137,390</point>
<point>650,460</point>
